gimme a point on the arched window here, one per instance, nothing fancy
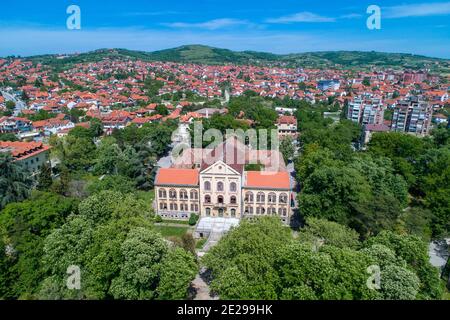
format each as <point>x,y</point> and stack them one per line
<point>192,207</point>
<point>283,198</point>
<point>280,211</point>
<point>274,211</point>
<point>175,207</point>
<point>172,194</point>
<point>183,194</point>
<point>208,212</point>
<point>233,199</point>
<point>272,197</point>
<point>207,198</point>
<point>233,187</point>
<point>162,193</point>
<point>260,197</point>
<point>284,211</point>
<point>219,199</point>
<point>194,195</point>
<point>258,210</point>
<point>219,186</point>
<point>263,210</point>
<point>233,212</point>
<point>207,185</point>
<point>249,197</point>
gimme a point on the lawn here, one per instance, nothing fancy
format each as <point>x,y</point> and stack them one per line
<point>169,231</point>
<point>186,222</point>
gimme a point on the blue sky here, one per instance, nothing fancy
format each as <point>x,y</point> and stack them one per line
<point>287,26</point>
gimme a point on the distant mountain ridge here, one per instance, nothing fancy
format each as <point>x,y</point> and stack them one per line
<point>209,55</point>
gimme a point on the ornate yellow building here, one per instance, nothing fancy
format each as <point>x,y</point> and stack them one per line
<point>219,186</point>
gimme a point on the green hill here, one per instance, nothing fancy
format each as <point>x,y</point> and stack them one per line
<point>209,55</point>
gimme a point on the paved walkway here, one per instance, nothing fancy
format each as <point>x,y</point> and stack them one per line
<point>201,288</point>
<point>213,238</point>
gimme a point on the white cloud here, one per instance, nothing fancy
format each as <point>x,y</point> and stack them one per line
<point>209,25</point>
<point>417,10</point>
<point>351,16</point>
<point>152,13</point>
<point>301,17</point>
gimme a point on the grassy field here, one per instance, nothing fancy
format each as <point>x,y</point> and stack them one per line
<point>185,222</point>
<point>169,231</point>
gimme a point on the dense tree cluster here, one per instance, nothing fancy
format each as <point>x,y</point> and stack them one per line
<point>15,183</point>
<point>262,260</point>
<point>109,236</point>
<point>23,229</point>
<point>399,183</point>
<point>128,154</point>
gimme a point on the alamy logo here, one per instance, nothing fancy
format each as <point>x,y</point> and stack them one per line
<point>374,20</point>
<point>374,281</point>
<point>74,20</point>
<point>74,279</point>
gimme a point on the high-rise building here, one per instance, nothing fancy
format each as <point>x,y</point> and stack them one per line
<point>412,116</point>
<point>366,111</point>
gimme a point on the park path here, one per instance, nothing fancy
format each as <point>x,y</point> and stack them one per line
<point>202,291</point>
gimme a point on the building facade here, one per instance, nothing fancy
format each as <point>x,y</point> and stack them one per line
<point>222,189</point>
<point>30,155</point>
<point>413,117</point>
<point>365,111</point>
<point>287,126</point>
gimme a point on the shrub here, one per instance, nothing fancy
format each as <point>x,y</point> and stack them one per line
<point>193,219</point>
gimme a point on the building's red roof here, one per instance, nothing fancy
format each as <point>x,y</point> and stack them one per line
<point>287,120</point>
<point>173,176</point>
<point>269,180</point>
<point>22,150</point>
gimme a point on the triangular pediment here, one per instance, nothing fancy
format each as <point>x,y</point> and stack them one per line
<point>219,167</point>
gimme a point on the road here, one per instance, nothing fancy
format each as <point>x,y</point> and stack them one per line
<point>20,105</point>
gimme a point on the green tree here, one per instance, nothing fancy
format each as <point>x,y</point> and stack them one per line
<point>399,283</point>
<point>332,193</point>
<point>143,252</point>
<point>433,171</point>
<point>8,137</point>
<point>26,225</point>
<point>15,183</point>
<point>414,251</point>
<point>287,148</point>
<point>162,110</point>
<point>118,183</point>
<point>319,231</point>
<point>178,269</point>
<point>251,249</point>
<point>45,177</point>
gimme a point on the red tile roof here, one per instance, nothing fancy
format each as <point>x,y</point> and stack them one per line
<point>269,180</point>
<point>173,176</point>
<point>22,150</point>
<point>287,120</point>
